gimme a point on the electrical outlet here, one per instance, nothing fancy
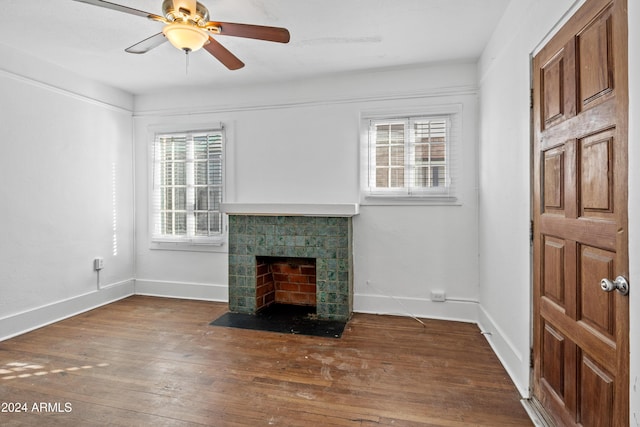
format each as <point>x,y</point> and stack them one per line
<point>98,264</point>
<point>438,296</point>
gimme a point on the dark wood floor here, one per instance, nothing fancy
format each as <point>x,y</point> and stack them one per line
<point>147,361</point>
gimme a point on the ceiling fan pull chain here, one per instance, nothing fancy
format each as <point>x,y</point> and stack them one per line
<point>186,54</point>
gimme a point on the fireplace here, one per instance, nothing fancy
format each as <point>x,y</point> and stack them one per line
<point>319,246</point>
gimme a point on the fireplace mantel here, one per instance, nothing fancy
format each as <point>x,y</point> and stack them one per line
<point>292,209</point>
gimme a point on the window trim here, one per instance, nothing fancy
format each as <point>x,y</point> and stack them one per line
<point>216,243</point>
<point>428,196</point>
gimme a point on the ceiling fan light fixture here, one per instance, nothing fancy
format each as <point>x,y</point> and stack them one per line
<point>185,37</point>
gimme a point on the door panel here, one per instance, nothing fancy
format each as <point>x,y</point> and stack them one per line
<point>580,373</point>
<point>559,91</point>
<point>554,350</point>
<point>596,175</point>
<point>595,60</point>
<point>597,308</point>
<point>597,392</point>
<point>553,194</point>
<point>554,272</point>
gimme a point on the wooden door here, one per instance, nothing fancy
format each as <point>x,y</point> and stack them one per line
<point>581,333</point>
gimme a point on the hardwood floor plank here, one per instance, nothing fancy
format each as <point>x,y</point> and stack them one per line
<point>158,362</point>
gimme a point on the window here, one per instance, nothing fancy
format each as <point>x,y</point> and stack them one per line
<point>187,187</point>
<point>410,157</point>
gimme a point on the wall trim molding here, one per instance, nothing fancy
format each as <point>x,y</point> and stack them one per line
<point>182,290</point>
<point>512,360</point>
<point>26,321</point>
<point>29,320</point>
<point>64,92</point>
<point>453,310</point>
<point>431,93</point>
<point>20,323</point>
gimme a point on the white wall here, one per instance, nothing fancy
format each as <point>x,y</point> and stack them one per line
<point>504,208</point>
<point>66,193</point>
<point>299,143</point>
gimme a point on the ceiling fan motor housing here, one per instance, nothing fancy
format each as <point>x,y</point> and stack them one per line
<point>199,17</point>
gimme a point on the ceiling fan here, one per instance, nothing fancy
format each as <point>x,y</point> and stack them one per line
<point>187,27</point>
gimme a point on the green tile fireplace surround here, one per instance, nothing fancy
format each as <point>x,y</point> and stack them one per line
<point>325,238</point>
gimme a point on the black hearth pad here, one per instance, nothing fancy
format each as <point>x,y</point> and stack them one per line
<point>283,318</point>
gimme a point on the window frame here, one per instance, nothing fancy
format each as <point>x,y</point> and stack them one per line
<point>409,194</point>
<point>189,242</point>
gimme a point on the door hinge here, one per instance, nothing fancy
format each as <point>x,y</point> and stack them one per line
<point>531,358</point>
<point>531,231</point>
<point>531,98</point>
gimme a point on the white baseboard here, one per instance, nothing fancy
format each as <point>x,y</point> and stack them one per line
<point>17,324</point>
<point>456,310</point>
<point>183,290</point>
<point>514,362</point>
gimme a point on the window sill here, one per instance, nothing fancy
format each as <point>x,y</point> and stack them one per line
<point>220,246</point>
<point>405,200</point>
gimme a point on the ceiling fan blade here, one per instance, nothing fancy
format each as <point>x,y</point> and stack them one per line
<point>147,44</point>
<point>272,34</point>
<point>125,9</point>
<point>223,55</point>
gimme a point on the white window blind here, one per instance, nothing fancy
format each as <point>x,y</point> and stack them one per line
<point>411,156</point>
<point>188,186</point>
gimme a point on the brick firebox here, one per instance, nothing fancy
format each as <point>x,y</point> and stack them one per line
<point>285,281</point>
<point>327,240</point>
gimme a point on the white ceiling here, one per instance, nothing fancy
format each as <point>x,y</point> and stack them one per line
<point>327,36</point>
